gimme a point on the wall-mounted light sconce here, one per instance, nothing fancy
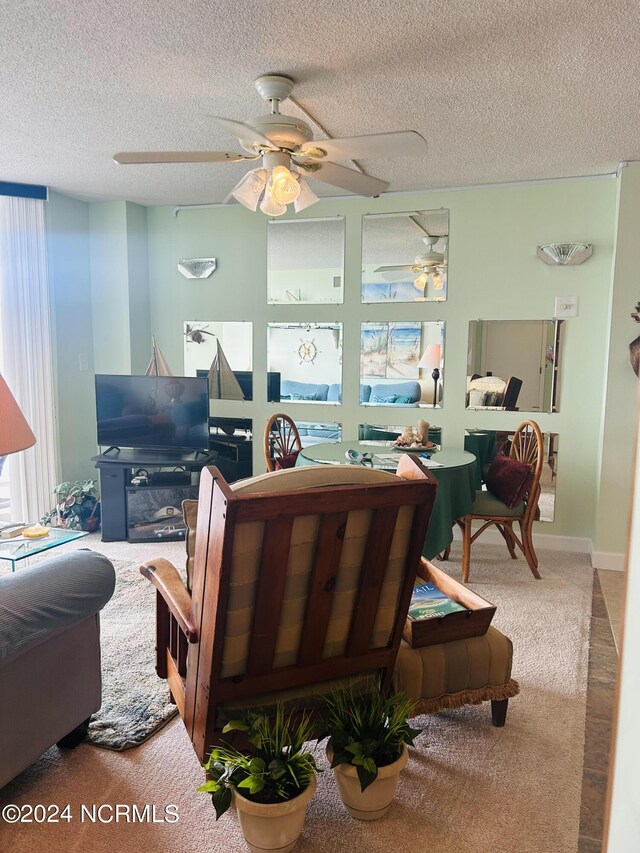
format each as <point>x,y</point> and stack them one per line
<point>564,254</point>
<point>197,267</point>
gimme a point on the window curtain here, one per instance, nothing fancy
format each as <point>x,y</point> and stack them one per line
<point>27,351</point>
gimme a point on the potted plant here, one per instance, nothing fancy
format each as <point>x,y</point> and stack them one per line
<point>270,786</point>
<point>77,506</point>
<point>367,749</point>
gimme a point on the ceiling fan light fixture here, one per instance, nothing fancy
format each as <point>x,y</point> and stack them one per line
<point>306,198</point>
<point>437,280</point>
<point>421,281</point>
<point>269,206</point>
<point>284,186</point>
<point>250,188</point>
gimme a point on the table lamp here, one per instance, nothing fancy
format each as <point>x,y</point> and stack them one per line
<point>15,432</point>
<point>430,360</point>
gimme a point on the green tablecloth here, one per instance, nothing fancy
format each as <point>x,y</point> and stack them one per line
<point>456,485</point>
<point>483,447</point>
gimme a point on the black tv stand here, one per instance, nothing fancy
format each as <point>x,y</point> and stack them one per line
<point>116,472</point>
<point>113,447</point>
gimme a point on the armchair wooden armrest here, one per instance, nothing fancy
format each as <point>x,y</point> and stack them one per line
<point>164,576</point>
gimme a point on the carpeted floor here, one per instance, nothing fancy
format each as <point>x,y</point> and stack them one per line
<point>468,788</point>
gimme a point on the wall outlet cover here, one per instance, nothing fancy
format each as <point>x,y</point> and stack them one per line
<point>566,306</point>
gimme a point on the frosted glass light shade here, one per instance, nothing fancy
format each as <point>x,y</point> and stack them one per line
<point>306,198</point>
<point>249,189</point>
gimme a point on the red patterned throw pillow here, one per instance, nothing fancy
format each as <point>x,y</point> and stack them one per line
<point>509,479</point>
<point>288,461</point>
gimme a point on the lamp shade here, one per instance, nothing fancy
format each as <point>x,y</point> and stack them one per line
<point>15,432</point>
<point>431,357</point>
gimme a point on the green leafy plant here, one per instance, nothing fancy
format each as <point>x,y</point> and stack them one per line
<point>368,730</point>
<point>279,769</point>
<point>77,506</point>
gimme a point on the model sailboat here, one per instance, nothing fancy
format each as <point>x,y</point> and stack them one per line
<point>223,385</point>
<point>158,365</point>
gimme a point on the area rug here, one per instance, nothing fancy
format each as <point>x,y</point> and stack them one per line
<point>135,702</point>
<point>468,787</point>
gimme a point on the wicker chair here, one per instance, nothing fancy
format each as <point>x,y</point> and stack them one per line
<point>526,446</point>
<point>281,439</point>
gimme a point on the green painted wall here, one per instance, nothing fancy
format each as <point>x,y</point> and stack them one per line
<point>120,287</point>
<point>493,274</point>
<point>619,422</point>
<point>110,287</point>
<point>138,276</point>
<point>70,288</point>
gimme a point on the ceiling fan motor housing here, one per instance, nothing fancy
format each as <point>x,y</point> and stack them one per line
<point>284,131</point>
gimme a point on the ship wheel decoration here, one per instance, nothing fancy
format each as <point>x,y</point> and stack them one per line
<point>307,351</point>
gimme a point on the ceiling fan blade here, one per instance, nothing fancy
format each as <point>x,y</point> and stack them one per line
<point>134,157</point>
<point>405,143</point>
<point>394,268</point>
<point>248,136</point>
<point>346,179</point>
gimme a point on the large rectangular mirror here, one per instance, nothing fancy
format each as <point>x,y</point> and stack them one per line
<point>513,365</point>
<point>312,432</point>
<point>308,358</point>
<point>224,351</point>
<point>388,433</point>
<point>305,261</point>
<point>405,256</point>
<point>402,364</point>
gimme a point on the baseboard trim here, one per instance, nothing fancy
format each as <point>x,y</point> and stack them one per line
<point>541,541</point>
<point>609,560</point>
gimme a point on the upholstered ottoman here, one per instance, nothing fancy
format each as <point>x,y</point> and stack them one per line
<point>457,673</point>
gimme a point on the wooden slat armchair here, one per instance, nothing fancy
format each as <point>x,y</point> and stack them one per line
<point>302,578</point>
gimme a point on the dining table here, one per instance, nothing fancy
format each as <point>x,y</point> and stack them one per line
<point>454,469</point>
<point>482,443</point>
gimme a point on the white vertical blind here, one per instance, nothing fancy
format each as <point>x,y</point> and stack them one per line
<point>27,350</point>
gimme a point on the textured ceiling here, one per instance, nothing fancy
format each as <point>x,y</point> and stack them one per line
<point>503,90</point>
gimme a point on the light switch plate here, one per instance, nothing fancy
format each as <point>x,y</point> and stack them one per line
<point>566,306</point>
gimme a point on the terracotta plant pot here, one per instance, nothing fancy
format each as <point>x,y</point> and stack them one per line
<point>273,826</point>
<point>375,801</point>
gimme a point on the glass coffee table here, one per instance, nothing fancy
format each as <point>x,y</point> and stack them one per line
<point>20,548</point>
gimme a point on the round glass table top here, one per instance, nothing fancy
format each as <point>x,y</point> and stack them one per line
<point>383,454</point>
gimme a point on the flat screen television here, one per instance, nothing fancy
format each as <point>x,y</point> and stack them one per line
<point>158,412</point>
<point>245,381</point>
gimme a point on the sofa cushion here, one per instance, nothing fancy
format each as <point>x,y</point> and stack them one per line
<point>51,596</point>
<point>292,390</point>
<point>509,479</point>
<point>391,398</point>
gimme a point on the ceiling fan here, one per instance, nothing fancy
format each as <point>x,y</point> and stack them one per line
<point>289,154</point>
<point>430,263</point>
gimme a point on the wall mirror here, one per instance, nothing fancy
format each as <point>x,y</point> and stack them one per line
<point>514,365</point>
<point>224,350</point>
<point>402,364</point>
<point>387,433</point>
<point>305,261</point>
<point>312,432</point>
<point>405,256</point>
<point>308,359</point>
<point>484,444</point>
